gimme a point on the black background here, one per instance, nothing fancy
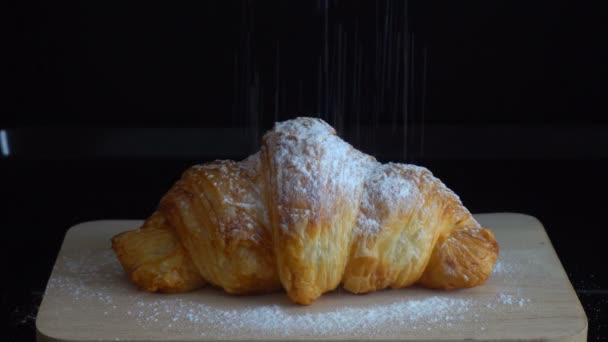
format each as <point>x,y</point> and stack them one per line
<point>105,104</point>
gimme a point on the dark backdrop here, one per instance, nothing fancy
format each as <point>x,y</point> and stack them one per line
<point>105,104</point>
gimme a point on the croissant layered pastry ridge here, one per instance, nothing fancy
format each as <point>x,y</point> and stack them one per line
<point>306,214</point>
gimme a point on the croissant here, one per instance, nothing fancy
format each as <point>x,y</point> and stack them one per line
<point>306,214</point>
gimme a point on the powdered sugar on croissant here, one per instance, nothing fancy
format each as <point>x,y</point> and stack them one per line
<point>307,214</point>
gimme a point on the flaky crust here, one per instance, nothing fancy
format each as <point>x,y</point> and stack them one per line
<point>307,214</point>
<point>217,213</point>
<point>154,258</point>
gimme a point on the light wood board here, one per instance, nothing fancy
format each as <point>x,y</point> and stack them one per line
<point>527,298</point>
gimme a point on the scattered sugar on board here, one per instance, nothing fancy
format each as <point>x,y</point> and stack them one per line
<point>280,320</point>
<point>96,277</point>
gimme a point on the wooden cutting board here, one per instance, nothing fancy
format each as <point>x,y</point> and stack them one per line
<point>527,298</point>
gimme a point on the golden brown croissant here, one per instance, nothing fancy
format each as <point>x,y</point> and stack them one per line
<point>306,214</point>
